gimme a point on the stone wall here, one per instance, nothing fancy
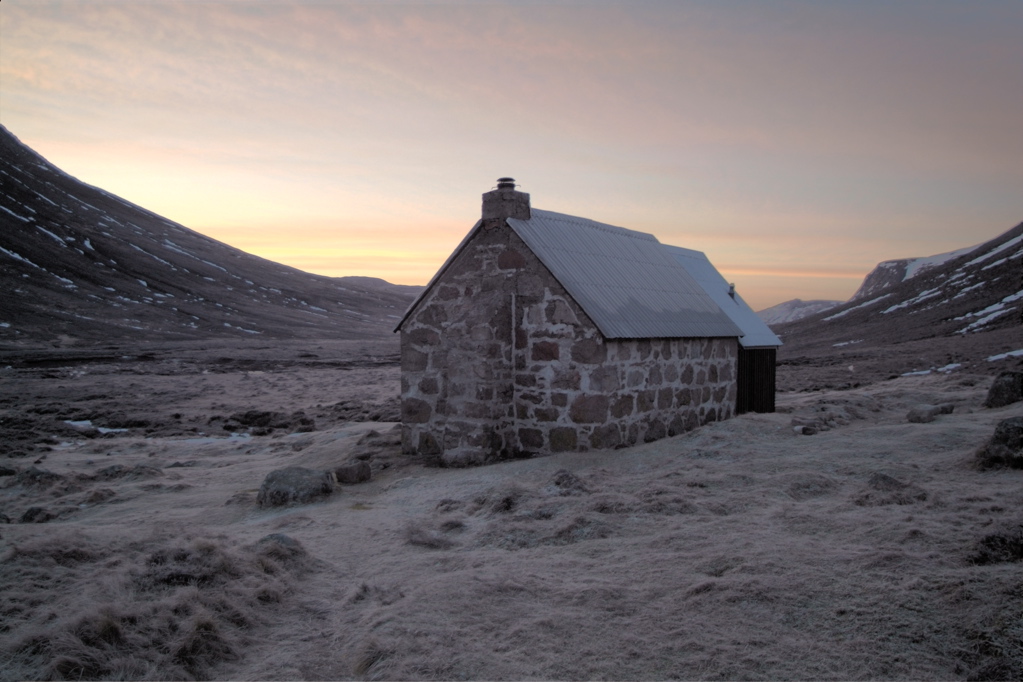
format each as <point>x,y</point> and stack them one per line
<point>499,361</point>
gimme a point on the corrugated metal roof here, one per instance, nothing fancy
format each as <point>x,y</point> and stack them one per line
<point>756,333</point>
<point>626,281</point>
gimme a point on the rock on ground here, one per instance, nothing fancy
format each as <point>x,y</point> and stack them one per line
<point>1007,389</point>
<point>294,485</point>
<point>1005,449</point>
<point>925,414</point>
<point>353,472</point>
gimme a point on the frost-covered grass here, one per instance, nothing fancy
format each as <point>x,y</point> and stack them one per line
<point>871,550</point>
<point>75,606</point>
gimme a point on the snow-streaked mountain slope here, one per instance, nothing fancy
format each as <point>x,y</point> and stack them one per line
<point>891,272</point>
<point>793,310</point>
<point>80,264</point>
<point>886,274</point>
<point>962,310</point>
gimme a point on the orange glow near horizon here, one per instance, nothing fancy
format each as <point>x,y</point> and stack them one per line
<point>796,146</point>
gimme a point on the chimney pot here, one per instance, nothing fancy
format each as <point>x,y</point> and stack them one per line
<point>505,202</point>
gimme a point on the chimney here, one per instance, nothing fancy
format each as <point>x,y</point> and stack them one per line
<point>505,202</point>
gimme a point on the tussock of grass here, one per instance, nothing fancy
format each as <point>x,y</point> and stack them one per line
<point>367,656</point>
<point>167,607</point>
<point>417,534</point>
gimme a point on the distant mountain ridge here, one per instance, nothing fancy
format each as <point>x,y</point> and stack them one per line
<point>966,309</point>
<point>884,275</point>
<point>793,310</point>
<point>78,264</point>
<point>891,272</point>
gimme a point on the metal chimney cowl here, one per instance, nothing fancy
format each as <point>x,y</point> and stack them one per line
<point>505,202</point>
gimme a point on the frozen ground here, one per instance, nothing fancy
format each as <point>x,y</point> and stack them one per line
<point>871,550</point>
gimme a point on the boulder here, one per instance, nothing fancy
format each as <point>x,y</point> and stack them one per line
<point>116,471</point>
<point>925,414</point>
<point>294,485</point>
<point>37,515</point>
<point>264,422</point>
<point>38,478</point>
<point>998,548</point>
<point>99,495</point>
<point>809,426</point>
<point>350,473</point>
<point>1005,448</point>
<point>1007,389</point>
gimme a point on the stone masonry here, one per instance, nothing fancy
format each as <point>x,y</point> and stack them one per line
<point>499,361</point>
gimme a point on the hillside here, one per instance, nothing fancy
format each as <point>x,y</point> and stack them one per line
<point>954,314</point>
<point>793,310</point>
<point>892,272</point>
<point>886,274</point>
<point>83,266</point>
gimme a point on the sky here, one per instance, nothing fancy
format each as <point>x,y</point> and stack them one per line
<point>797,144</point>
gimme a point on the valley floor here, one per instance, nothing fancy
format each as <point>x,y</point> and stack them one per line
<point>741,550</point>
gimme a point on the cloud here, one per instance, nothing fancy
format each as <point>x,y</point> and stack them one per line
<point>843,132</point>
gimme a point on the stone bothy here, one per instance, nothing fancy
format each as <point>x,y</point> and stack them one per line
<point>545,332</point>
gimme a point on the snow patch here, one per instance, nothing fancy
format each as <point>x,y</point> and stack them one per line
<point>21,218</point>
<point>85,204</point>
<point>87,424</point>
<point>982,321</point>
<point>17,256</point>
<point>1003,356</point>
<point>915,266</point>
<point>51,203</point>
<point>1003,260</point>
<point>964,291</point>
<point>922,296</point>
<point>857,307</point>
<point>998,249</point>
<point>51,235</point>
<point>242,329</point>
<point>156,258</point>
